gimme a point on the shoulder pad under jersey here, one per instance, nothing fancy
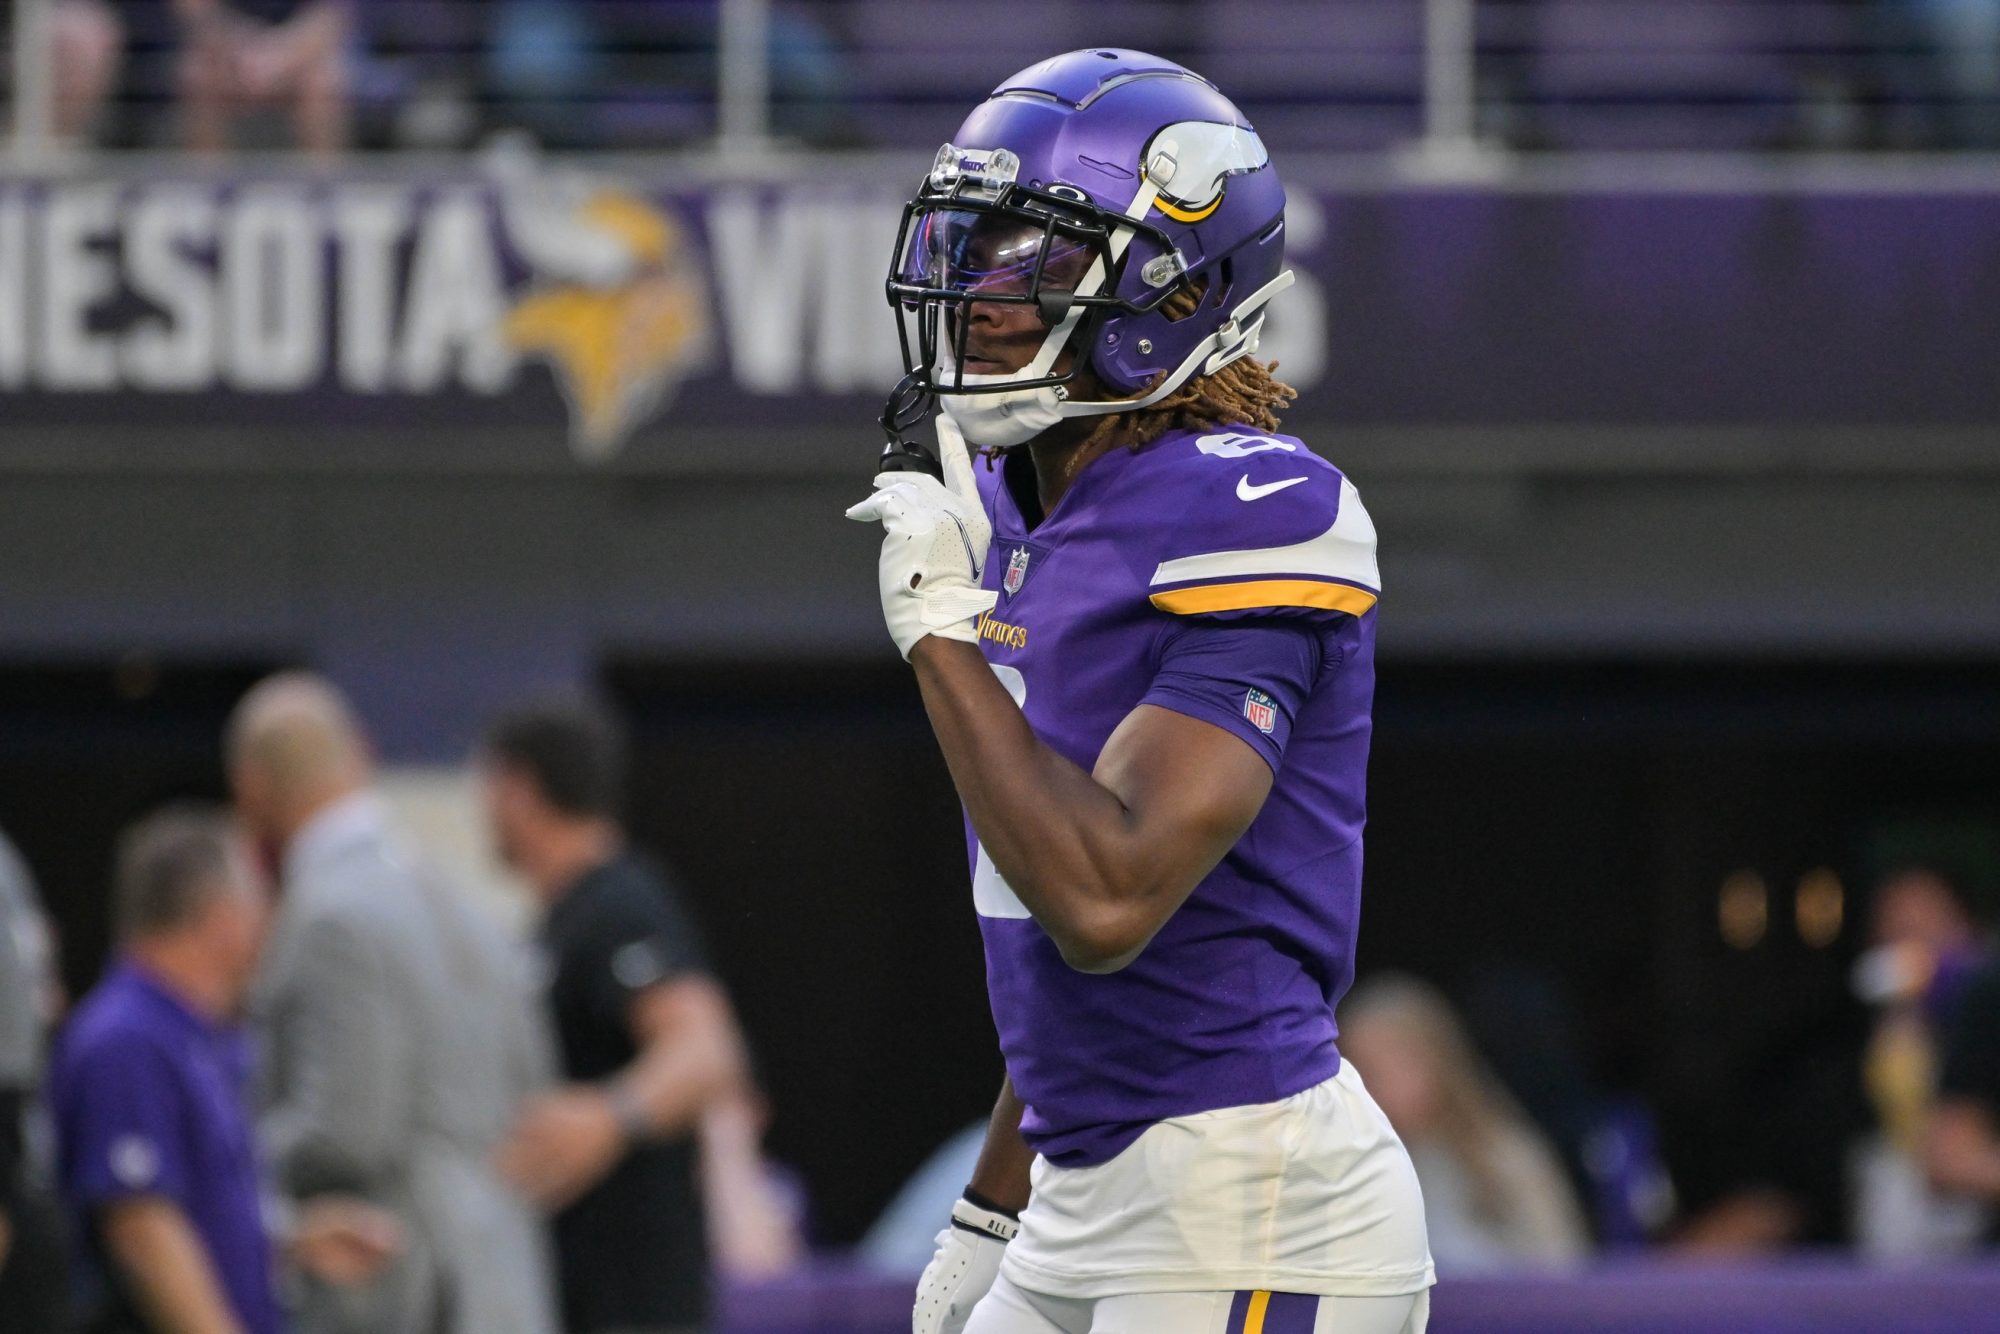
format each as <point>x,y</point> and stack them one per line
<point>1256,522</point>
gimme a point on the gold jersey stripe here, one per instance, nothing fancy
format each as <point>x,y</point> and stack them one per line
<point>1265,593</point>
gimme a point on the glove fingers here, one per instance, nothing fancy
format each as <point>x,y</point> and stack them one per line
<point>957,460</point>
<point>876,508</point>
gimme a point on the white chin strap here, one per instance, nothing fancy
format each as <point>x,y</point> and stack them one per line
<point>1001,420</point>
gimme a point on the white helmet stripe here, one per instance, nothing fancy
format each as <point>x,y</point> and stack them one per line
<point>1093,281</point>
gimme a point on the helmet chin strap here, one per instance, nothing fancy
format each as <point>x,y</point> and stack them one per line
<point>1001,421</point>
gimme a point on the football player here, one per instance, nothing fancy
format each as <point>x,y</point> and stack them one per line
<point>1143,627</point>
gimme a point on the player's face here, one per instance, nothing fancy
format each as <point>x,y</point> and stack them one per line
<point>1012,259</point>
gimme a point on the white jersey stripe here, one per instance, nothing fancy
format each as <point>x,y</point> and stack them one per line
<point>1345,551</point>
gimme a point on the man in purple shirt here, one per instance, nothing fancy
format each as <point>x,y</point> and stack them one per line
<point>158,1160</point>
<point>1144,632</point>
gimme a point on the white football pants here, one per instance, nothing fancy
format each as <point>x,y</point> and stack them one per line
<point>1007,1309</point>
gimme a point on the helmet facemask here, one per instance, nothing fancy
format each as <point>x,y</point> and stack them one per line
<point>974,236</point>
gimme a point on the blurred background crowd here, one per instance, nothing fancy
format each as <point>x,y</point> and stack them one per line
<point>317,1082</point>
<point>471,854</point>
<point>638,74</point>
<point>334,1075</point>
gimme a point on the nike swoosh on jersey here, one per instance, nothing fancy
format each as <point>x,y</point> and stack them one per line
<point>1245,491</point>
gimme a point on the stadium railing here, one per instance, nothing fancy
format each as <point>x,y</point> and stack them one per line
<point>1453,83</point>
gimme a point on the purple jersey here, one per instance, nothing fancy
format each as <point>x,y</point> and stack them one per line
<point>149,1100</point>
<point>1229,576</point>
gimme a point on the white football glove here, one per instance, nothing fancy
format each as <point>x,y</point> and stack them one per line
<point>966,1263</point>
<point>934,543</point>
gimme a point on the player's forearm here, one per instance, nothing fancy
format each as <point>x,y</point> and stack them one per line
<point>167,1269</point>
<point>1001,1175</point>
<point>1066,845</point>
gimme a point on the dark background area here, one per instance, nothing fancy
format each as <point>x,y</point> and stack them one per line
<point>1546,838</point>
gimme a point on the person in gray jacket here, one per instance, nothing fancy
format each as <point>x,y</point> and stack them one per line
<point>31,1251</point>
<point>400,1032</point>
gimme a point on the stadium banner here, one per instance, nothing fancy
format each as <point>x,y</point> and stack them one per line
<point>610,310</point>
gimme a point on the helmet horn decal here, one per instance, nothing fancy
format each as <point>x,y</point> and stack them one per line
<point>1191,163</point>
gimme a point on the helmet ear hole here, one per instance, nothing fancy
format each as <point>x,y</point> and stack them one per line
<point>1185,302</point>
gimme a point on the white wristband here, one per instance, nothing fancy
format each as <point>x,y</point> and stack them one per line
<point>965,1214</point>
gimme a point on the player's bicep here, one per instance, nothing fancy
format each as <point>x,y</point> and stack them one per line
<point>1192,788</point>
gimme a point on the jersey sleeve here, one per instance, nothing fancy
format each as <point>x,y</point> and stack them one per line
<point>121,1126</point>
<point>1262,527</point>
<point>1250,679</point>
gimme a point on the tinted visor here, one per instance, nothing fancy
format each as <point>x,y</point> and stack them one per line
<point>995,255</point>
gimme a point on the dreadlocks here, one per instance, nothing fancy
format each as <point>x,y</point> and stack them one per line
<point>1243,393</point>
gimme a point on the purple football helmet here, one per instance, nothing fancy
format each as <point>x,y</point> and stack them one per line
<point>1091,187</point>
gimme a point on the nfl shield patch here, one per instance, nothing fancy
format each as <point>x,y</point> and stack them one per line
<point>1261,710</point>
<point>1017,570</point>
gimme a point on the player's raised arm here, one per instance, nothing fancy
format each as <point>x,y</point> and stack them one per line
<point>1101,859</point>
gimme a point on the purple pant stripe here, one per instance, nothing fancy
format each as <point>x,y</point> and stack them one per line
<point>1291,1313</point>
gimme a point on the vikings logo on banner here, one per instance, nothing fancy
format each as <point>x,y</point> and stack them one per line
<point>619,309</point>
<point>1261,710</point>
<point>1017,571</point>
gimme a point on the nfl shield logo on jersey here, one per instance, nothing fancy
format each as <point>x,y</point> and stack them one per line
<point>1017,570</point>
<point>1261,710</point>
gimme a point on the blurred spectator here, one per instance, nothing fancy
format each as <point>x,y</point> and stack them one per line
<point>1519,1018</point>
<point>158,1157</point>
<point>399,1027</point>
<point>1757,1129</point>
<point>592,73</point>
<point>31,1256</point>
<point>1924,948</point>
<point>647,1034</point>
<point>1962,1146</point>
<point>1495,1194</point>
<point>903,1238</point>
<point>755,1209</point>
<point>242,55</point>
<point>1943,71</point>
<point>86,50</point>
